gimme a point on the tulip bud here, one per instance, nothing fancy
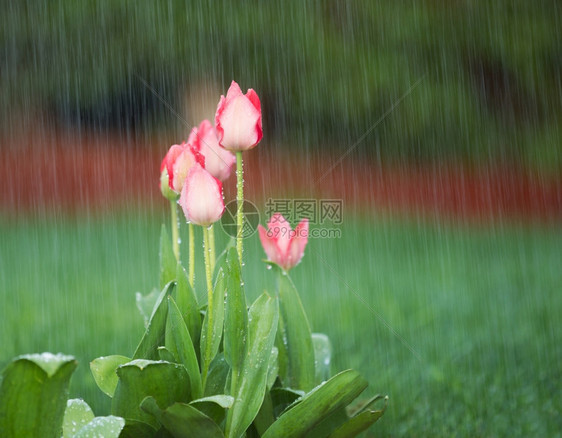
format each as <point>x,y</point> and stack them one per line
<point>218,161</point>
<point>201,197</point>
<point>284,246</point>
<point>238,119</point>
<point>167,192</point>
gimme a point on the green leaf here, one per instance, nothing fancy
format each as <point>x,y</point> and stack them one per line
<point>362,418</point>
<point>236,317</point>
<point>329,423</point>
<point>76,415</point>
<point>265,417</point>
<point>146,304</point>
<point>179,343</point>
<point>217,376</point>
<point>221,259</point>
<point>224,401</point>
<point>166,382</point>
<point>294,340</point>
<point>33,395</point>
<point>183,420</point>
<point>166,355</point>
<point>354,426</point>
<point>137,429</point>
<point>187,305</point>
<point>322,357</point>
<point>273,367</point>
<point>364,405</point>
<point>282,398</point>
<point>154,335</point>
<point>214,406</point>
<point>211,334</point>
<point>249,393</point>
<point>167,259</point>
<point>106,427</point>
<point>104,370</point>
<point>324,400</point>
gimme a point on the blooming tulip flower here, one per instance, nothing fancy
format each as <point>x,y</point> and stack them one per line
<point>218,161</point>
<point>180,159</point>
<point>238,119</point>
<point>201,197</point>
<point>284,246</point>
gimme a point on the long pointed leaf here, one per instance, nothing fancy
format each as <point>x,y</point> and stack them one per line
<point>154,335</point>
<point>354,426</point>
<point>178,342</point>
<point>250,390</point>
<point>322,357</point>
<point>324,400</point>
<point>296,352</point>
<point>167,259</point>
<point>188,306</point>
<point>211,333</point>
<point>217,376</point>
<point>236,317</point>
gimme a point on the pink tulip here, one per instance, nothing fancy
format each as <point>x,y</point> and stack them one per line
<point>218,161</point>
<point>283,245</point>
<point>238,119</point>
<point>201,197</point>
<point>180,159</point>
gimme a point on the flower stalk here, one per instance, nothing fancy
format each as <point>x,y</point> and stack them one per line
<point>175,230</point>
<point>239,204</point>
<point>191,269</point>
<point>212,247</point>
<point>210,305</point>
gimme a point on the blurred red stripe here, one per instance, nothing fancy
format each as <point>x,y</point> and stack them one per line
<point>71,172</point>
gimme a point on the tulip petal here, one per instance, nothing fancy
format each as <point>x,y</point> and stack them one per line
<point>170,159</point>
<point>193,140</point>
<point>218,161</point>
<point>254,98</point>
<point>281,231</point>
<point>201,197</point>
<point>233,91</point>
<point>183,163</point>
<point>269,245</point>
<point>298,243</point>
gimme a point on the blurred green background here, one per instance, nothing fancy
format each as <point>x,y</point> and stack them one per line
<point>474,347</point>
<point>482,78</point>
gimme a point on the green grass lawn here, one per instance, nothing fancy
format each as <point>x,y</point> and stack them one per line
<point>459,325</point>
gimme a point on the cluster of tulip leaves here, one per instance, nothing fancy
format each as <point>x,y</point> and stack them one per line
<point>254,371</point>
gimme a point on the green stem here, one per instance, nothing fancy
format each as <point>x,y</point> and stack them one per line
<point>239,203</point>
<point>191,255</point>
<point>212,247</point>
<point>175,230</point>
<point>210,334</point>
